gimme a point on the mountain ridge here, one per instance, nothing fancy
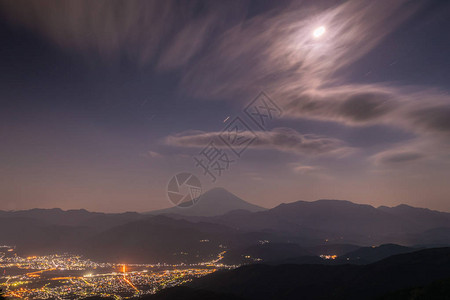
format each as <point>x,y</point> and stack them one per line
<point>214,202</point>
<point>314,281</point>
<point>308,224</point>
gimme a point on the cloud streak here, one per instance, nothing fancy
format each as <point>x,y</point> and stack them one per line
<point>168,33</point>
<point>279,139</point>
<point>304,169</point>
<point>424,112</point>
<point>278,52</point>
<point>398,157</point>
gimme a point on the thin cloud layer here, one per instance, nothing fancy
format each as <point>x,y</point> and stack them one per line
<point>351,105</point>
<point>427,148</point>
<point>398,157</point>
<point>280,139</point>
<point>432,117</point>
<point>168,33</point>
<point>278,52</point>
<point>425,111</point>
<point>304,169</point>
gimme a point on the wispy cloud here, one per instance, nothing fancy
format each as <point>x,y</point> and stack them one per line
<point>277,50</point>
<point>280,139</point>
<point>398,157</point>
<point>351,105</point>
<point>144,31</point>
<point>425,148</point>
<point>424,111</point>
<point>304,169</point>
<point>154,154</point>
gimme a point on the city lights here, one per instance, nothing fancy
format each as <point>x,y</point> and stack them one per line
<point>64,276</point>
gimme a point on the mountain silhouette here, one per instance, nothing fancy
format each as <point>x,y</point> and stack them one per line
<point>366,255</point>
<point>337,221</point>
<point>319,227</point>
<point>215,202</point>
<point>419,217</point>
<point>437,290</point>
<point>309,281</point>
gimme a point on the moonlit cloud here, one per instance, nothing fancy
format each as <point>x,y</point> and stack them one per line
<point>279,53</point>
<point>275,50</point>
<point>280,139</point>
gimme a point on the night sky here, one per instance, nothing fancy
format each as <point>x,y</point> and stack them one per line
<point>104,101</point>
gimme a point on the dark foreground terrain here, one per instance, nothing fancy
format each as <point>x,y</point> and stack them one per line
<point>423,274</point>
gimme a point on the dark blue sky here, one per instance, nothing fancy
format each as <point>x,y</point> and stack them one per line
<point>103,102</point>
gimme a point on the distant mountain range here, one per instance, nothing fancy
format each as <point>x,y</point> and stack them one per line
<point>288,232</point>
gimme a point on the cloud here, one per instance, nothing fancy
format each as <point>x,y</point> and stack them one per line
<point>365,106</point>
<point>242,48</point>
<point>140,30</point>
<point>277,51</point>
<point>280,139</point>
<point>398,157</point>
<point>419,110</point>
<point>351,105</point>
<point>154,154</point>
<point>432,118</point>
<point>254,176</point>
<point>221,52</point>
<point>304,169</point>
<point>423,148</point>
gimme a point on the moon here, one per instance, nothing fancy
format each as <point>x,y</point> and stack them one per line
<point>319,31</point>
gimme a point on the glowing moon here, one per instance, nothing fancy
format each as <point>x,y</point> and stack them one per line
<point>319,31</point>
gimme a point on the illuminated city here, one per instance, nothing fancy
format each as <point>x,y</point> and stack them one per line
<point>65,276</point>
